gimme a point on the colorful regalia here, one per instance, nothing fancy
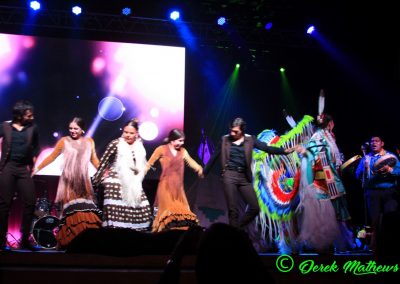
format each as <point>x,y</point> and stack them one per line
<point>276,180</point>
<point>323,205</point>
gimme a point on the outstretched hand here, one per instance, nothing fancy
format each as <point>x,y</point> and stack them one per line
<point>386,169</point>
<point>135,171</point>
<point>298,148</point>
<point>200,173</point>
<point>289,150</point>
<point>34,172</point>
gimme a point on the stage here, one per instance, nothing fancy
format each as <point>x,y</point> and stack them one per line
<point>118,256</point>
<point>125,256</point>
<point>50,266</point>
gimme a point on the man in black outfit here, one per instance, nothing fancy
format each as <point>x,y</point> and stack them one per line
<point>20,147</point>
<point>236,156</point>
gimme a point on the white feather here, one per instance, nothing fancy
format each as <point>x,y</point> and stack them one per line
<point>291,121</point>
<point>321,102</point>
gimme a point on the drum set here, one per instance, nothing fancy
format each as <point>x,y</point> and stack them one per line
<point>45,225</point>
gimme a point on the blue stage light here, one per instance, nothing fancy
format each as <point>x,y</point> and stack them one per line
<point>175,15</point>
<point>35,5</point>
<point>221,21</point>
<point>268,26</point>
<point>310,29</point>
<point>76,10</point>
<point>126,11</point>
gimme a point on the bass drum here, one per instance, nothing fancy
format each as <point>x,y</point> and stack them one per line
<point>45,230</point>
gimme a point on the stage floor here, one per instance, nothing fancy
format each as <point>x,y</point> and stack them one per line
<point>52,266</point>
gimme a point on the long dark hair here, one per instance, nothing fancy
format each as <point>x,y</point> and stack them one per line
<point>79,121</point>
<point>323,120</point>
<point>134,122</point>
<point>19,109</point>
<point>174,134</point>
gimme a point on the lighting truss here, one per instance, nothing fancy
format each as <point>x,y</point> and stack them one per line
<point>15,19</point>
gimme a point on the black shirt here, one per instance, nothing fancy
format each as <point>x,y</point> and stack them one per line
<point>20,149</point>
<point>19,145</point>
<point>236,156</point>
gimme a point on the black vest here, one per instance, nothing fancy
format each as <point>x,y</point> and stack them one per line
<point>6,144</point>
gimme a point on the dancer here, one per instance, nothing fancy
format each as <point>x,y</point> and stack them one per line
<point>173,211</point>
<point>75,192</point>
<point>121,173</point>
<point>323,210</point>
<point>276,183</point>
<point>20,148</point>
<point>236,156</point>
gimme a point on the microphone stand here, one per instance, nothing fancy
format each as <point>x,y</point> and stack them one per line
<point>364,151</point>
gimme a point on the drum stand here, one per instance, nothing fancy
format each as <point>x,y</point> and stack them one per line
<point>367,227</point>
<point>14,242</point>
<point>44,225</point>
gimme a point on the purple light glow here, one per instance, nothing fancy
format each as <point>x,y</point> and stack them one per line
<point>145,75</point>
<point>12,52</point>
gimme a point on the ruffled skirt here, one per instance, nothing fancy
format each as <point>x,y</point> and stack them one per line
<point>78,215</point>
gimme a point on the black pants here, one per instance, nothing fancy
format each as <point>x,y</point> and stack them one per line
<point>237,186</point>
<point>380,201</point>
<point>16,176</point>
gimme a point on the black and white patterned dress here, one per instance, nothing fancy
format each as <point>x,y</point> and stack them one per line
<point>125,203</point>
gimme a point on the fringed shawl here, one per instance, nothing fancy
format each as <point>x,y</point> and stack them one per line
<point>130,158</point>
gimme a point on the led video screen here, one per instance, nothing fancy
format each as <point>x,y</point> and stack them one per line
<point>105,83</point>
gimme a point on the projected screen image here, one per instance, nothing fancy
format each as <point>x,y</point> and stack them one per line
<point>105,83</point>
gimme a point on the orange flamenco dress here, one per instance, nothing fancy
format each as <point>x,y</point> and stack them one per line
<point>75,192</point>
<point>173,208</point>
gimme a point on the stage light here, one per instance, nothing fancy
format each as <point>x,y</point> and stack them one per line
<point>148,130</point>
<point>237,65</point>
<point>268,26</point>
<point>110,108</point>
<point>76,10</point>
<point>282,69</point>
<point>221,21</point>
<point>175,15</point>
<point>154,112</point>
<point>310,29</point>
<point>126,11</point>
<point>35,5</point>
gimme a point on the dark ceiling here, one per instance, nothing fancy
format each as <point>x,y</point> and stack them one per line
<point>354,26</point>
<point>339,15</point>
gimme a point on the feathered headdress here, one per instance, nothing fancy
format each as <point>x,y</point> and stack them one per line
<point>289,119</point>
<point>321,106</point>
